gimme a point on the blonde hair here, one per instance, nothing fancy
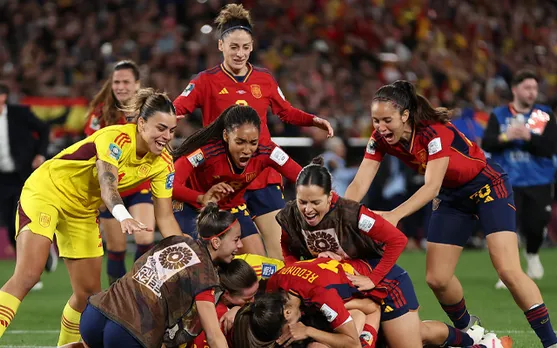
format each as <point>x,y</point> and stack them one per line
<point>147,102</point>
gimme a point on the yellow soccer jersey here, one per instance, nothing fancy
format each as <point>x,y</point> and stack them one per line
<point>264,266</point>
<point>73,171</point>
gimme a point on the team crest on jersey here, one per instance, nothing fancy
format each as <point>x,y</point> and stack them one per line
<point>177,206</point>
<point>44,220</point>
<point>188,89</point>
<point>371,146</point>
<point>267,270</point>
<point>169,181</point>
<point>164,264</point>
<point>256,91</point>
<point>421,156</point>
<point>250,176</point>
<point>143,170</point>
<point>435,204</point>
<point>114,151</point>
<point>196,158</point>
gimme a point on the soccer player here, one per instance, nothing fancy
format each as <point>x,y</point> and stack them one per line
<point>318,221</point>
<point>240,284</point>
<point>63,196</point>
<point>153,304</point>
<point>329,284</point>
<point>217,164</point>
<point>522,138</point>
<point>464,186</point>
<point>236,81</point>
<point>118,91</point>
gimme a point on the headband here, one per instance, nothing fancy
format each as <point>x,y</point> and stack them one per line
<point>246,28</point>
<point>223,232</point>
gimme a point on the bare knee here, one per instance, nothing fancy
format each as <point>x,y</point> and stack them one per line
<point>25,279</point>
<point>437,282</point>
<point>510,276</point>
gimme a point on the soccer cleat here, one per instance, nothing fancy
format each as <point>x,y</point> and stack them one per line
<point>476,332</point>
<point>474,320</point>
<point>535,267</point>
<point>38,286</point>
<point>52,260</point>
<point>500,285</point>
<point>490,340</point>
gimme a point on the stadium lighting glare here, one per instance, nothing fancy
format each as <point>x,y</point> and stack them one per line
<point>206,29</point>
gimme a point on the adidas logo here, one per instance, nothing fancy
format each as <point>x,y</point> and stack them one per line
<point>223,91</point>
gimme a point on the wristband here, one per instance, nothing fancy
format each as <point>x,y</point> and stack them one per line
<point>120,213</point>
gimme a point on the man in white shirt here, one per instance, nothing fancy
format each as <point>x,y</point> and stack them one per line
<point>23,145</point>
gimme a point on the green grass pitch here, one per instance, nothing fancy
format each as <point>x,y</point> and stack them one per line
<point>38,319</point>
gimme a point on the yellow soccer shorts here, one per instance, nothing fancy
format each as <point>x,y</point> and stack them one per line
<point>77,234</point>
<point>264,266</point>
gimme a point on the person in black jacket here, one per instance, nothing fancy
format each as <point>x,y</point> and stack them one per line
<point>23,146</point>
<point>522,138</point>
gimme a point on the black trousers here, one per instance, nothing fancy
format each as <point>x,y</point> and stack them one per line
<point>533,213</point>
<point>10,190</point>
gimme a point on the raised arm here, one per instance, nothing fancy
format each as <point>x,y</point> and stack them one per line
<point>363,179</point>
<point>289,114</point>
<point>284,164</point>
<point>434,176</point>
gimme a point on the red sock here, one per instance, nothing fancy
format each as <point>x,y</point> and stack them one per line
<point>368,337</point>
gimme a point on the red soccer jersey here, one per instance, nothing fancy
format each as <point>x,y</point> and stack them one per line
<point>197,172</point>
<point>93,124</point>
<point>466,159</point>
<point>216,89</point>
<point>314,282</point>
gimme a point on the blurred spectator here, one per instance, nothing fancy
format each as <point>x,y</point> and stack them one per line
<point>23,145</point>
<point>522,138</point>
<point>326,54</point>
<point>335,162</point>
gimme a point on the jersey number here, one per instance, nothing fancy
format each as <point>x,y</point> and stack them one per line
<point>332,265</point>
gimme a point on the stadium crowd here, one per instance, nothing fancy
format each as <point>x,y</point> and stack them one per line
<point>328,56</point>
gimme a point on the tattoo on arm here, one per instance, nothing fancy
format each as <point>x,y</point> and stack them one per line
<point>108,180</point>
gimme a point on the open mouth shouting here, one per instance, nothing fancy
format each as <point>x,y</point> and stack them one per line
<point>243,160</point>
<point>312,218</point>
<point>388,136</point>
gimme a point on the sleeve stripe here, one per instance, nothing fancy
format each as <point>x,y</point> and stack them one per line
<point>214,153</point>
<point>122,139</point>
<point>166,157</point>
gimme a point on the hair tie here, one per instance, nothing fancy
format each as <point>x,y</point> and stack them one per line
<point>223,232</point>
<point>248,29</point>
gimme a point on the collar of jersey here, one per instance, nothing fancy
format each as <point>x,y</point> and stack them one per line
<point>231,75</point>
